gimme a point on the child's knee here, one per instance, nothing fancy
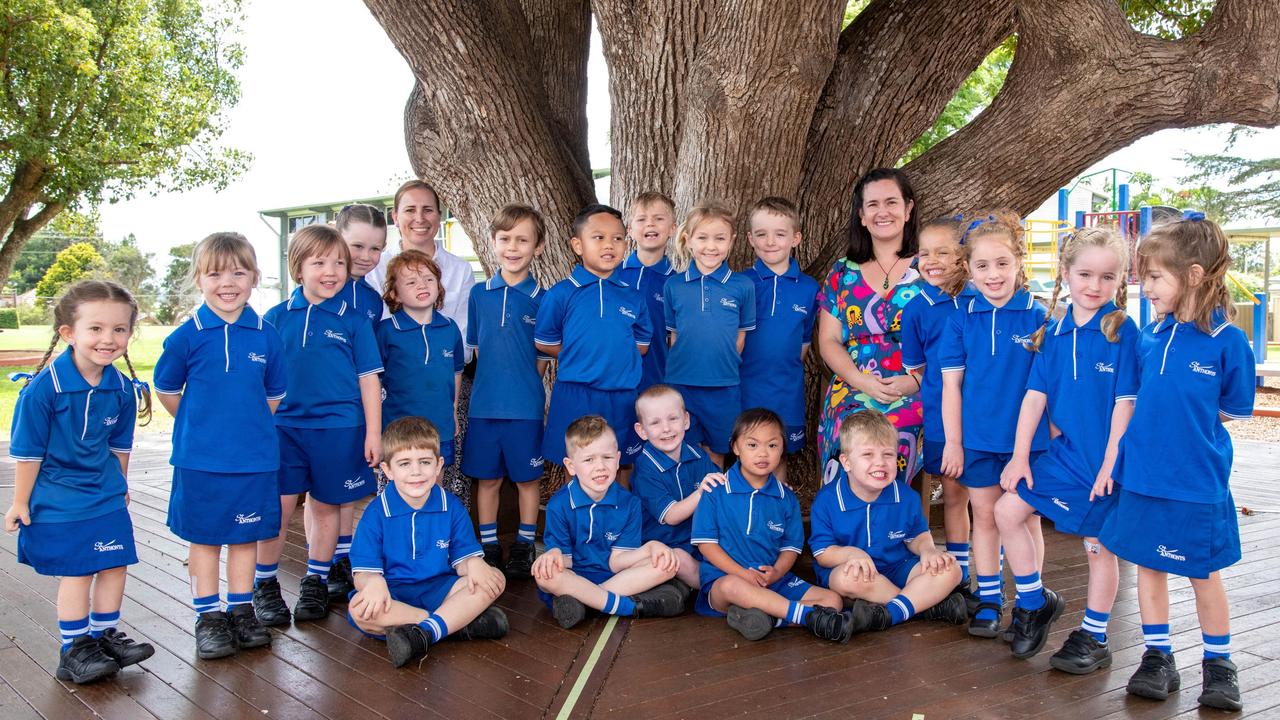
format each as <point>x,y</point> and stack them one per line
<point>842,584</point>
<point>827,598</point>
<point>491,485</point>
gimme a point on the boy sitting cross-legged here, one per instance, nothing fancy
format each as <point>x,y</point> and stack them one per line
<point>870,540</point>
<point>593,556</point>
<point>418,570</point>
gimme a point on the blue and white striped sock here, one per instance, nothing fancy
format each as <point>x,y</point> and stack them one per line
<point>525,533</point>
<point>72,629</point>
<point>961,553</point>
<point>1156,637</point>
<point>206,603</point>
<point>1216,646</point>
<point>435,627</point>
<point>1095,623</point>
<point>343,548</point>
<point>1030,591</point>
<point>262,573</point>
<point>319,567</point>
<point>618,605</point>
<point>102,622</point>
<point>234,599</point>
<point>797,613</point>
<point>900,609</point>
<point>489,533</point>
<point>989,591</point>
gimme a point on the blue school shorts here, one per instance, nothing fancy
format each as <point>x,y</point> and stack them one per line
<point>982,469</point>
<point>933,456</point>
<point>210,508</point>
<point>712,412</point>
<point>1173,536</point>
<point>503,448</point>
<point>571,400</point>
<point>426,595</point>
<point>446,451</point>
<point>1063,498</point>
<point>79,547</point>
<point>599,577</point>
<point>789,586</point>
<point>897,573</point>
<point>327,463</point>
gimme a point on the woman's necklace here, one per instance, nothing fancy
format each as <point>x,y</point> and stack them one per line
<point>886,272</point>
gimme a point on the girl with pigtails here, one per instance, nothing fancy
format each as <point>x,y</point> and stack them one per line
<point>1085,374</point>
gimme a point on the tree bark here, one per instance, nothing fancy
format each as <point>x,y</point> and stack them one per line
<point>17,224</point>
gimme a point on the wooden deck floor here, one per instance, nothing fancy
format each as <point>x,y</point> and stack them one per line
<point>682,667</point>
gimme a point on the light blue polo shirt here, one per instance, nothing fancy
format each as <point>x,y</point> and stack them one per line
<point>1176,446</point>
<point>752,526</point>
<point>881,528</point>
<point>364,299</point>
<point>589,531</point>
<point>990,345</point>
<point>649,280</point>
<point>598,325</point>
<point>225,374</point>
<point>708,310</point>
<point>662,482</point>
<point>71,428</point>
<point>924,320</point>
<point>1083,376</point>
<point>772,373</point>
<point>328,348</point>
<point>500,323</point>
<point>405,546</point>
<point>421,365</point>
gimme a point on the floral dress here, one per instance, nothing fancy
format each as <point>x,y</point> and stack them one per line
<point>870,326</point>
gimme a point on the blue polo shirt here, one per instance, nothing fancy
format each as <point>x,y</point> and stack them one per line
<point>364,299</point>
<point>328,348</point>
<point>71,428</point>
<point>923,321</point>
<point>990,345</point>
<point>649,280</point>
<point>708,310</point>
<point>881,528</point>
<point>589,531</point>
<point>404,545</point>
<point>772,373</point>
<point>1176,446</point>
<point>1083,376</point>
<point>500,324</point>
<point>421,364</point>
<point>598,324</point>
<point>225,374</point>
<point>662,482</point>
<point>753,526</point>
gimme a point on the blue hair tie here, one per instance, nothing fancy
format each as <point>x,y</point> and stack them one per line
<point>141,389</point>
<point>972,225</point>
<point>19,376</point>
<point>1195,215</point>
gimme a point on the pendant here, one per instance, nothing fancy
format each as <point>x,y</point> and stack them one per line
<point>886,282</point>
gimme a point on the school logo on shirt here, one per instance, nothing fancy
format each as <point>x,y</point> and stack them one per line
<point>353,483</point>
<point>633,449</point>
<point>110,421</point>
<point>800,309</point>
<point>255,357</point>
<point>108,546</point>
<point>442,544</point>
<point>729,303</point>
<point>796,436</point>
<point>1061,504</point>
<point>659,298</point>
<point>775,526</point>
<point>448,353</point>
<point>242,519</point>
<point>529,319</point>
<point>611,536</point>
<point>1023,340</point>
<point>371,314</point>
<point>334,335</point>
<point>1203,369</point>
<point>1105,368</point>
<point>897,534</point>
<point>627,311</point>
<point>1165,552</point>
<point>536,462</point>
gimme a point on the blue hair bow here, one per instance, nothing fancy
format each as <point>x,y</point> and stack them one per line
<point>20,376</point>
<point>972,225</point>
<point>141,389</point>
<point>1195,215</point>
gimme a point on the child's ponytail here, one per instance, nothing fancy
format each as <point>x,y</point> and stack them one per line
<point>142,390</point>
<point>1114,320</point>
<point>1037,337</point>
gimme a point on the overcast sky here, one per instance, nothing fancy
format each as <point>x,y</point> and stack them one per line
<point>322,103</point>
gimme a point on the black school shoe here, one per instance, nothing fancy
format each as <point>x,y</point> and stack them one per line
<point>1221,685</point>
<point>123,649</point>
<point>828,624</point>
<point>1156,677</point>
<point>661,601</point>
<point>985,628</point>
<point>971,599</point>
<point>248,632</point>
<point>519,565</point>
<point>340,582</point>
<point>951,609</point>
<point>686,592</point>
<point>488,625</point>
<point>751,623</point>
<point>214,638</point>
<point>1081,654</point>
<point>492,555</point>
<point>869,617</point>
<point>85,661</point>
<point>269,604</point>
<point>405,643</point>
<point>313,599</point>
<point>568,611</point>
<point>1031,627</point>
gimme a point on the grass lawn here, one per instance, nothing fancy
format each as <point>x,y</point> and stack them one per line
<point>144,350</point>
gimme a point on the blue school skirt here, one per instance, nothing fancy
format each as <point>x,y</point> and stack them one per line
<point>1173,536</point>
<point>79,547</point>
<point>210,508</point>
<point>1061,494</point>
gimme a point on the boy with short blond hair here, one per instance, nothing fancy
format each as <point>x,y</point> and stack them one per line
<point>412,592</point>
<point>651,225</point>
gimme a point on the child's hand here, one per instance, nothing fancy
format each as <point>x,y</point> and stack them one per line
<point>18,513</point>
<point>481,577</point>
<point>373,447</point>
<point>662,557</point>
<point>859,569</point>
<point>1016,470</point>
<point>753,576</point>
<point>1102,486</point>
<point>935,562</point>
<point>549,564</point>
<point>373,600</point>
<point>771,574</point>
<point>952,460</point>
<point>711,480</point>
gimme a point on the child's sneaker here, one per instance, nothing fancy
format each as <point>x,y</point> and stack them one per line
<point>752,623</point>
<point>829,624</point>
<point>568,611</point>
<point>405,643</point>
<point>1081,654</point>
<point>1156,677</point>
<point>492,555</point>
<point>340,582</point>
<point>1221,685</point>
<point>248,632</point>
<point>950,609</point>
<point>519,564</point>
<point>313,599</point>
<point>488,625</point>
<point>661,601</point>
<point>123,649</point>
<point>869,616</point>
<point>214,638</point>
<point>985,628</point>
<point>85,661</point>
<point>1031,627</point>
<point>269,604</point>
